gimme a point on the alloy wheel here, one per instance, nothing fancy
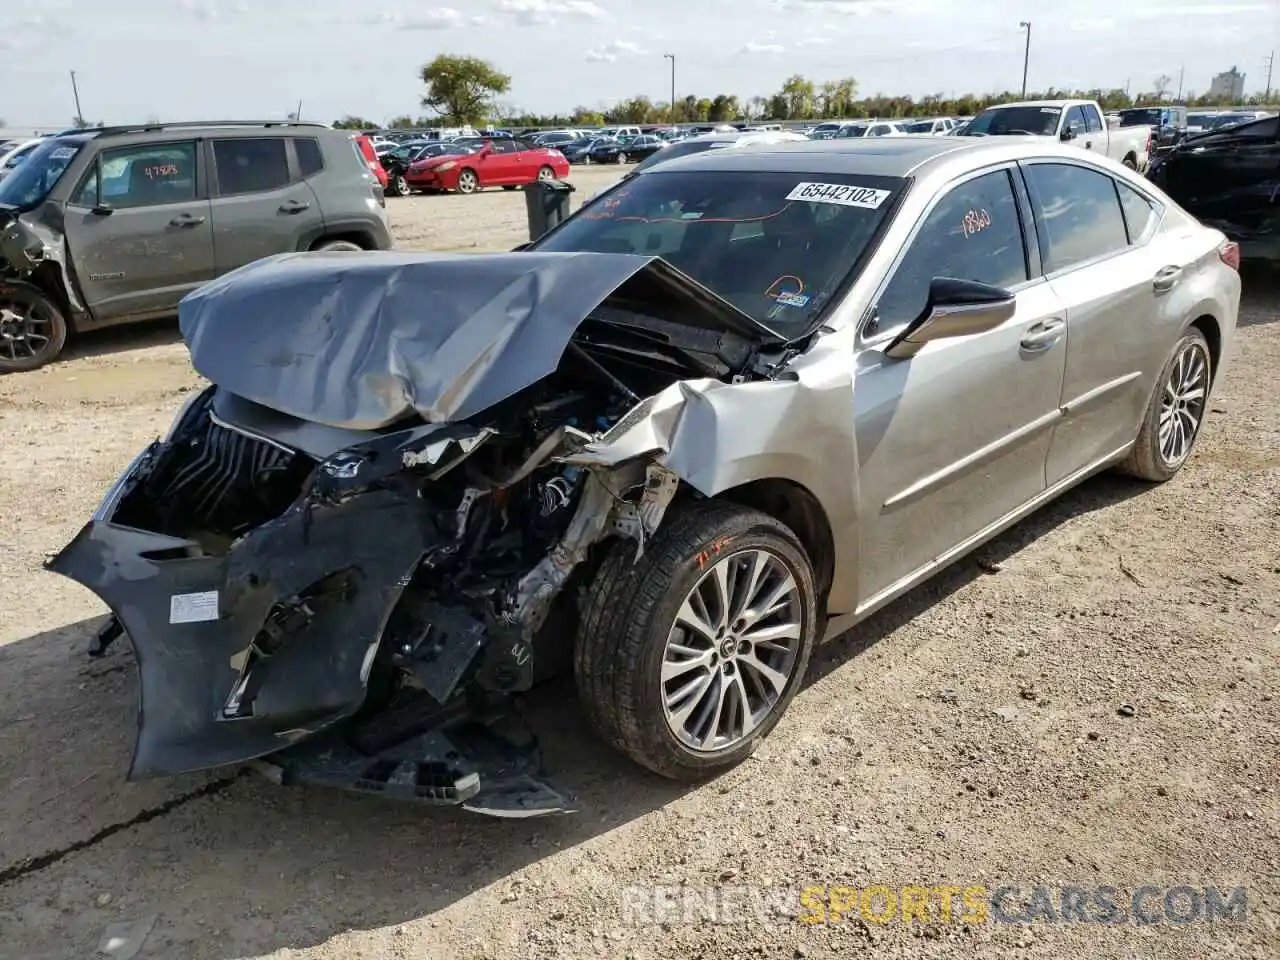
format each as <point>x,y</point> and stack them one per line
<point>26,330</point>
<point>732,650</point>
<point>546,173</point>
<point>1182,403</point>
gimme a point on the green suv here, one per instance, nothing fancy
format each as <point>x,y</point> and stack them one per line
<point>107,226</point>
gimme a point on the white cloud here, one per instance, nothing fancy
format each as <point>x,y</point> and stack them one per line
<point>613,50</point>
<point>752,46</point>
<point>536,13</point>
<point>441,18</point>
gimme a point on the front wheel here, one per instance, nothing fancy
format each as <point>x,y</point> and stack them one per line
<point>33,330</point>
<point>398,186</point>
<point>468,182</point>
<point>1130,162</point>
<point>337,246</point>
<point>1175,413</point>
<point>687,658</point>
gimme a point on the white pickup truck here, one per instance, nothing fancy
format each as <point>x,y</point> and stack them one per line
<point>1078,122</point>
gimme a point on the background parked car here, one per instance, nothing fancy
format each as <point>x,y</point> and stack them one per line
<point>398,161</point>
<point>506,163</point>
<point>13,154</point>
<point>364,144</point>
<point>136,212</point>
<point>1230,180</point>
<point>626,149</point>
<point>578,151</point>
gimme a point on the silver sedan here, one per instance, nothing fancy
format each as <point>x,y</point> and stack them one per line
<point>730,407</point>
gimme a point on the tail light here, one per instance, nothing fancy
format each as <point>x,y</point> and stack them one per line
<point>1230,254</point>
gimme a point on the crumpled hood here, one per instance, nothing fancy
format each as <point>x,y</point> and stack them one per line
<point>362,340</point>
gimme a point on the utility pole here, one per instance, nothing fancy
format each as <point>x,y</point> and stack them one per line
<point>1271,62</point>
<point>76,92</point>
<point>1026,55</point>
<point>1182,72</point>
<point>672,58</point>
<point>1126,85</point>
<point>298,116</point>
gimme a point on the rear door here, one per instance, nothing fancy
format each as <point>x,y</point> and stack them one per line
<point>260,204</point>
<point>138,230</point>
<point>1099,256</point>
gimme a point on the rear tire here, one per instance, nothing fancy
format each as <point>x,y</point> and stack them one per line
<point>33,330</point>
<point>332,246</point>
<point>749,661</point>
<point>546,173</point>
<point>1175,413</point>
<point>1131,162</point>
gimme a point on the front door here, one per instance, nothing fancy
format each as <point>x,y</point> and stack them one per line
<point>138,230</point>
<point>954,438</point>
<point>1113,291</point>
<point>497,163</point>
<point>260,205</point>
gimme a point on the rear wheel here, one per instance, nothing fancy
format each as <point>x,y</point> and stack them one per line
<point>546,173</point>
<point>1175,413</point>
<point>33,330</point>
<point>468,182</point>
<point>687,658</point>
<point>623,158</point>
<point>332,246</point>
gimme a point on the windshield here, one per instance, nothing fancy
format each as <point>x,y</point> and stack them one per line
<point>1140,118</point>
<point>1199,119</point>
<point>856,131</point>
<point>26,186</point>
<point>776,245</point>
<point>923,126</point>
<point>998,121</point>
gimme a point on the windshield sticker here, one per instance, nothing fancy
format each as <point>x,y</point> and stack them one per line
<point>1050,109</point>
<point>158,171</point>
<point>717,146</point>
<point>841,193</point>
<point>692,215</point>
<point>62,153</point>
<point>788,291</point>
<point>975,221</point>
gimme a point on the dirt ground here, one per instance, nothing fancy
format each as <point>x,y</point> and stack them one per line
<point>1091,701</point>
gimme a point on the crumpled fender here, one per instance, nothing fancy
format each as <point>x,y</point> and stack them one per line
<point>716,436</point>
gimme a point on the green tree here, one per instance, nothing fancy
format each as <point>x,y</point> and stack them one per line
<point>462,89</point>
<point>799,95</point>
<point>723,107</point>
<point>355,123</point>
<point>404,122</point>
<point>583,117</point>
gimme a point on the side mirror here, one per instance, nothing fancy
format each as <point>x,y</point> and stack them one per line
<point>103,210</point>
<point>1068,134</point>
<point>956,308</point>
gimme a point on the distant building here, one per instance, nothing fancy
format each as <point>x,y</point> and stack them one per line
<point>1229,85</point>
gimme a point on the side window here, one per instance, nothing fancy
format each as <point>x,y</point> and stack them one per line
<point>1080,212</point>
<point>973,233</point>
<point>502,146</point>
<point>1265,129</point>
<point>1139,212</point>
<point>142,176</point>
<point>310,161</point>
<point>251,165</point>
<point>1076,121</point>
<point>1092,119</point>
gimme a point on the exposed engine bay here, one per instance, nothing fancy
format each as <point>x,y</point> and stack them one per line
<point>360,603</point>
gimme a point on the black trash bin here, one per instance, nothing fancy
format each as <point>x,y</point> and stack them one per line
<point>546,203</point>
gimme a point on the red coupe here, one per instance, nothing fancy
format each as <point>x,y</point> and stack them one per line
<point>488,163</point>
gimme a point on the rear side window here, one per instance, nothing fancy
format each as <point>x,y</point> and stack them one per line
<point>251,165</point>
<point>1139,212</point>
<point>973,233</point>
<point>310,162</point>
<point>1079,211</point>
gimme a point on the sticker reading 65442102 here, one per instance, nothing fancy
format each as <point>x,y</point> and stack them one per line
<point>841,193</point>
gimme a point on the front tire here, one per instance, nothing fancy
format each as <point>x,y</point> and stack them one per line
<point>1175,412</point>
<point>468,182</point>
<point>33,330</point>
<point>1131,162</point>
<point>686,659</point>
<point>398,186</point>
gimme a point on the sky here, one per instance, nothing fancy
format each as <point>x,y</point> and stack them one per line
<point>241,59</point>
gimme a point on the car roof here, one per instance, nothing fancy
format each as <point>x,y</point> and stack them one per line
<point>889,156</point>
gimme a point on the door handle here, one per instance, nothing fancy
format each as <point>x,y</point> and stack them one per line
<point>1088,144</point>
<point>1166,279</point>
<point>294,206</point>
<point>1043,335</point>
<point>186,220</point>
